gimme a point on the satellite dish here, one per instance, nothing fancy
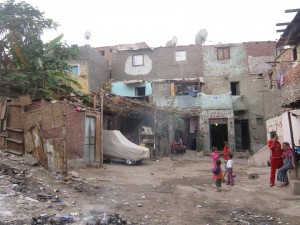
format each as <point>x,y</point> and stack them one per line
<point>174,41</point>
<point>169,43</point>
<point>201,37</point>
<point>87,35</point>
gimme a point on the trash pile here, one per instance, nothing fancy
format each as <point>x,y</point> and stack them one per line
<point>106,219</point>
<point>240,216</point>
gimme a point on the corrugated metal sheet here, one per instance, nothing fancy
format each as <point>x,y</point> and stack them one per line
<point>54,149</point>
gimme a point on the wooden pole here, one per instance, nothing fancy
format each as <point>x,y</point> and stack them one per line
<point>293,143</point>
<point>101,126</point>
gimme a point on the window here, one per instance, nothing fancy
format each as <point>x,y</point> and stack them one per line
<point>102,53</point>
<point>223,53</point>
<point>259,121</point>
<point>140,91</point>
<point>137,60</point>
<point>295,56</point>
<point>75,70</point>
<point>111,50</point>
<point>180,55</point>
<point>235,90</point>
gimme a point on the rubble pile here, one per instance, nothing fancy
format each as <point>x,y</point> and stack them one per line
<point>107,219</point>
<point>241,217</point>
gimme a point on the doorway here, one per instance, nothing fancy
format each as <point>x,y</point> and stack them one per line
<point>241,130</point>
<point>218,133</point>
<point>90,139</point>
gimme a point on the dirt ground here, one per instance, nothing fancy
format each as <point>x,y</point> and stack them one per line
<point>177,190</point>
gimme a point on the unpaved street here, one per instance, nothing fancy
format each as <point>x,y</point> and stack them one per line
<point>168,191</point>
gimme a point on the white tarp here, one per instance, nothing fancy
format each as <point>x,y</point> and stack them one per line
<point>117,145</point>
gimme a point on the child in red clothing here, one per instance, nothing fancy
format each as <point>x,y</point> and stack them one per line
<point>226,150</point>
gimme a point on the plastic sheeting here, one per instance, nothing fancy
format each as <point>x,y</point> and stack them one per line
<point>116,145</point>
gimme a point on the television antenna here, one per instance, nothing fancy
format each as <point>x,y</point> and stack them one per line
<point>201,37</point>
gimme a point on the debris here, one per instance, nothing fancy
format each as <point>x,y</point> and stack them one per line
<point>252,175</point>
<point>31,199</point>
<point>140,205</point>
<point>74,214</point>
<point>74,174</point>
<point>30,160</point>
<point>57,199</point>
<point>66,218</point>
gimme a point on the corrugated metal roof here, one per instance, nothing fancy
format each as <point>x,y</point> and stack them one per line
<point>291,35</point>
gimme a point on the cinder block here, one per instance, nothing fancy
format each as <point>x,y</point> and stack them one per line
<point>292,174</point>
<point>295,184</point>
<point>252,175</point>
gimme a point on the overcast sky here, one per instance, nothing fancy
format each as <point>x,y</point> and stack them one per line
<point>113,22</point>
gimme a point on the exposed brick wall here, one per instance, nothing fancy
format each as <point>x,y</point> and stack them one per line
<point>36,105</point>
<point>164,64</point>
<point>261,48</point>
<point>75,133</point>
<point>291,88</point>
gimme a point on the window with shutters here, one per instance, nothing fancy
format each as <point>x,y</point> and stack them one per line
<point>223,53</point>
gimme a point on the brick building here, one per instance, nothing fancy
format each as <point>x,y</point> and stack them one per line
<point>283,96</point>
<point>90,68</point>
<point>219,82</point>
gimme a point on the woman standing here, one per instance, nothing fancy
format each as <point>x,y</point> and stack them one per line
<point>288,154</point>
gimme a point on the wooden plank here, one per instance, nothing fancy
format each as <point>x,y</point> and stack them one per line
<point>15,141</point>
<point>14,116</point>
<point>13,151</point>
<point>3,109</point>
<point>14,129</point>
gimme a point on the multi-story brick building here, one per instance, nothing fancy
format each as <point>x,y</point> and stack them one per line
<point>90,68</point>
<point>220,83</point>
<point>283,97</point>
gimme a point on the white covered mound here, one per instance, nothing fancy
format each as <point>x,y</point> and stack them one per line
<point>117,145</point>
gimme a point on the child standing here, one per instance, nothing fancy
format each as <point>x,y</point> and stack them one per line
<point>226,150</point>
<point>229,169</point>
<point>218,175</point>
<point>214,157</point>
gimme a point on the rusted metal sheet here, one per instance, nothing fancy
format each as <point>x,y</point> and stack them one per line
<point>34,145</point>
<point>31,119</point>
<point>54,149</point>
